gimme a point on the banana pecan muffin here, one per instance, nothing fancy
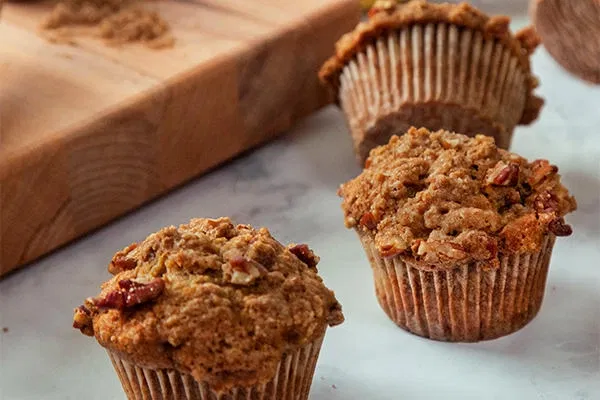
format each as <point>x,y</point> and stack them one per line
<point>211,309</point>
<point>437,66</point>
<point>458,232</point>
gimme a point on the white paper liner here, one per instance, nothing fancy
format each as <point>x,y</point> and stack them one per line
<point>465,304</point>
<point>436,76</point>
<point>292,380</point>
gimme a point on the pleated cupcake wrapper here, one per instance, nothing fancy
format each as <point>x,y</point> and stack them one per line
<point>465,304</point>
<point>436,76</point>
<point>291,382</point>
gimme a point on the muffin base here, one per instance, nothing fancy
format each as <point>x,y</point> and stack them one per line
<point>432,76</point>
<point>291,382</point>
<point>466,304</point>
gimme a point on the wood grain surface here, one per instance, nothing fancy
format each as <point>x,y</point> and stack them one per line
<point>89,132</point>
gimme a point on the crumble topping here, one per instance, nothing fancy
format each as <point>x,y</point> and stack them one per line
<point>443,198</point>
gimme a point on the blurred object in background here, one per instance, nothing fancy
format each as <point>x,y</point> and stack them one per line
<point>570,31</point>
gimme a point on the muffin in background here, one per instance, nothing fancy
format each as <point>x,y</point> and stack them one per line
<point>570,31</point>
<point>438,66</point>
<point>459,233</point>
<point>212,310</point>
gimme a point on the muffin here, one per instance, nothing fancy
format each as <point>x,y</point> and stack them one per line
<point>570,31</point>
<point>459,233</point>
<point>438,66</point>
<point>211,309</point>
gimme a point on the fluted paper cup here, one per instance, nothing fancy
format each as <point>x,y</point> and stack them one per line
<point>292,380</point>
<point>466,304</point>
<point>436,76</point>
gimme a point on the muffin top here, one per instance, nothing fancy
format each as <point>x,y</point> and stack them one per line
<point>387,15</point>
<point>218,301</point>
<point>445,199</point>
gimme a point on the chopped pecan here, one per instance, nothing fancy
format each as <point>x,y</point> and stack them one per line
<point>450,143</point>
<point>389,250</point>
<point>450,250</point>
<point>368,221</point>
<point>82,320</point>
<point>305,254</point>
<point>504,174</point>
<point>559,227</point>
<point>121,262</point>
<point>243,271</point>
<point>540,169</point>
<point>545,202</point>
<point>131,293</point>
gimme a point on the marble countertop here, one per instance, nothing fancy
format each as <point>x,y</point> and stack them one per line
<point>290,186</point>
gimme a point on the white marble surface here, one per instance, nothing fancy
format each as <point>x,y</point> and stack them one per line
<point>290,187</point>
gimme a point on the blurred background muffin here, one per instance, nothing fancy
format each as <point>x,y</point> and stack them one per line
<point>438,66</point>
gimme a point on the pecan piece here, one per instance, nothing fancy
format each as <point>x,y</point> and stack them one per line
<point>545,202</point>
<point>389,250</point>
<point>242,270</point>
<point>452,251</point>
<point>504,174</point>
<point>82,320</point>
<point>131,293</point>
<point>540,169</point>
<point>368,221</point>
<point>559,227</point>
<point>305,254</point>
<point>121,262</point>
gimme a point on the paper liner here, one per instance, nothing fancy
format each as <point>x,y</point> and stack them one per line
<point>291,382</point>
<point>436,76</point>
<point>465,304</point>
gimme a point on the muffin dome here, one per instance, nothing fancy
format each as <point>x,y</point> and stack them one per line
<point>211,299</point>
<point>442,198</point>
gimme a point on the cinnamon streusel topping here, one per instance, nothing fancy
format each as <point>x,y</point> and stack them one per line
<point>444,199</point>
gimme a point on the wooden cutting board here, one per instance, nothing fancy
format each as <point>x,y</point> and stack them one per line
<point>89,132</point>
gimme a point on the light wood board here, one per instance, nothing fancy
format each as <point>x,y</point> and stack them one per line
<point>89,132</point>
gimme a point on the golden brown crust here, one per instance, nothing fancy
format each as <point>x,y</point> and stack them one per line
<point>394,17</point>
<point>443,199</point>
<point>218,301</point>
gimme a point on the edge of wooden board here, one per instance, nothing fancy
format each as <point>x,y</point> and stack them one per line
<point>55,193</point>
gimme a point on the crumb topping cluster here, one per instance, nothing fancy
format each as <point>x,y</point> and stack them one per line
<point>444,199</point>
